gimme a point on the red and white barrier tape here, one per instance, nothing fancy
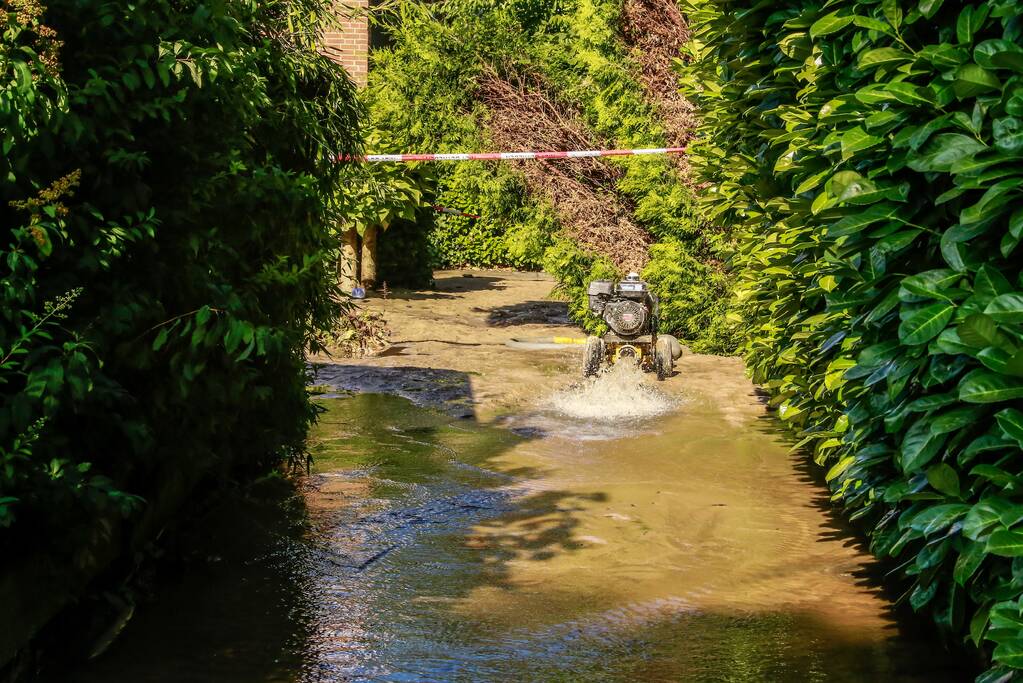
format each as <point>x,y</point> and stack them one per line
<point>503,156</point>
<point>453,212</point>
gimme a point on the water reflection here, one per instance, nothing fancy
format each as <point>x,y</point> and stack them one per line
<point>438,549</point>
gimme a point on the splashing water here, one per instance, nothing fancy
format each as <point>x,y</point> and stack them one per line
<point>617,393</point>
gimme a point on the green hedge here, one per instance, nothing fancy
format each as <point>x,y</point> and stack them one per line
<point>168,177</point>
<point>870,154</point>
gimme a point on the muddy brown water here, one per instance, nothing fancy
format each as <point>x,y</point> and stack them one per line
<point>689,546</point>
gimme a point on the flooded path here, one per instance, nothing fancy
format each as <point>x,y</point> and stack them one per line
<point>445,537</point>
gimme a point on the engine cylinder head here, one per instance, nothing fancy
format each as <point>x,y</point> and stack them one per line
<point>625,317</point>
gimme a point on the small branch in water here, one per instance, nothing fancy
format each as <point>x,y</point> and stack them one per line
<point>357,566</point>
<point>440,341</point>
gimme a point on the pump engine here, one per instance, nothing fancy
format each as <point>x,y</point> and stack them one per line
<point>629,309</point>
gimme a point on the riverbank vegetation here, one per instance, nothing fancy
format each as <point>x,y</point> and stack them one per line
<point>868,157</point>
<point>169,183</point>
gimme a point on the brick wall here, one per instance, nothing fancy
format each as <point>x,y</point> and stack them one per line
<point>348,41</point>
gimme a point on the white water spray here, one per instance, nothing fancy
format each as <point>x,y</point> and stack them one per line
<point>617,393</point>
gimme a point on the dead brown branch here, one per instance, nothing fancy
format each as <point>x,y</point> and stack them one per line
<point>656,32</point>
<point>582,191</point>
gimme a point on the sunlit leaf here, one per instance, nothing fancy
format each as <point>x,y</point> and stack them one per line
<point>925,324</point>
<point>985,386</point>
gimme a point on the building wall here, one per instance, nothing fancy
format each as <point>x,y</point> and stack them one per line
<point>348,41</point>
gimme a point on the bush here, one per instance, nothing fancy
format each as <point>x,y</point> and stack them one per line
<point>869,155</point>
<point>497,195</point>
<point>693,298</point>
<point>168,174</point>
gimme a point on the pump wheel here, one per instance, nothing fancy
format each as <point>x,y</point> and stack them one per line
<point>664,361</point>
<point>593,356</point>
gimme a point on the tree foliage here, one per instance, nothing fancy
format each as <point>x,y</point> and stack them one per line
<point>869,156</point>
<point>168,183</point>
<point>377,195</point>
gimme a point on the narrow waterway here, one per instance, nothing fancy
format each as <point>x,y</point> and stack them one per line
<point>681,547</point>
<point>473,514</point>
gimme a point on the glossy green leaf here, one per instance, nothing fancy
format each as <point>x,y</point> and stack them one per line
<point>1005,543</point>
<point>994,358</point>
<point>830,23</point>
<point>949,342</point>
<point>919,446</point>
<point>944,150</point>
<point>978,330</point>
<point>985,386</point>
<point>943,478</point>
<point>892,12</point>
<point>925,324</point>
<point>1008,134</point>
<point>983,516</point>
<point>997,53</point>
<point>882,56</point>
<point>937,517</point>
<point>931,284</point>
<point>1016,223</point>
<point>955,419</point>
<point>1010,421</point>
<point>990,282</point>
<point>978,624</point>
<point>1006,308</point>
<point>922,594</point>
<point>858,140</point>
<point>907,93</point>
<point>968,562</point>
<point>972,80</point>
<point>996,475</point>
<point>1009,651</point>
<point>971,18</point>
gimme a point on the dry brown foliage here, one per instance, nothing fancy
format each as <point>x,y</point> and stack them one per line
<point>582,191</point>
<point>656,30</point>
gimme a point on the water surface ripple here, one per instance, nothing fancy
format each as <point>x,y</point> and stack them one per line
<point>673,542</point>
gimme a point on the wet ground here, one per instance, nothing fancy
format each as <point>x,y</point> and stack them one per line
<point>450,537</point>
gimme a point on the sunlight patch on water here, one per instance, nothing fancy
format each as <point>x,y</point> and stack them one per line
<point>618,393</point>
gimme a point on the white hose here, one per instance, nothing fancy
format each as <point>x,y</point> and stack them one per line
<point>543,343</point>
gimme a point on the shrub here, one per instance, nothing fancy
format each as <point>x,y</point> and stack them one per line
<point>868,154</point>
<point>168,176</point>
<point>693,297</point>
<point>496,194</point>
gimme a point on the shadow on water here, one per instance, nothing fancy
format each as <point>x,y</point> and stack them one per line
<point>436,387</point>
<point>880,577</point>
<point>402,561</point>
<point>272,586</point>
<point>914,633</point>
